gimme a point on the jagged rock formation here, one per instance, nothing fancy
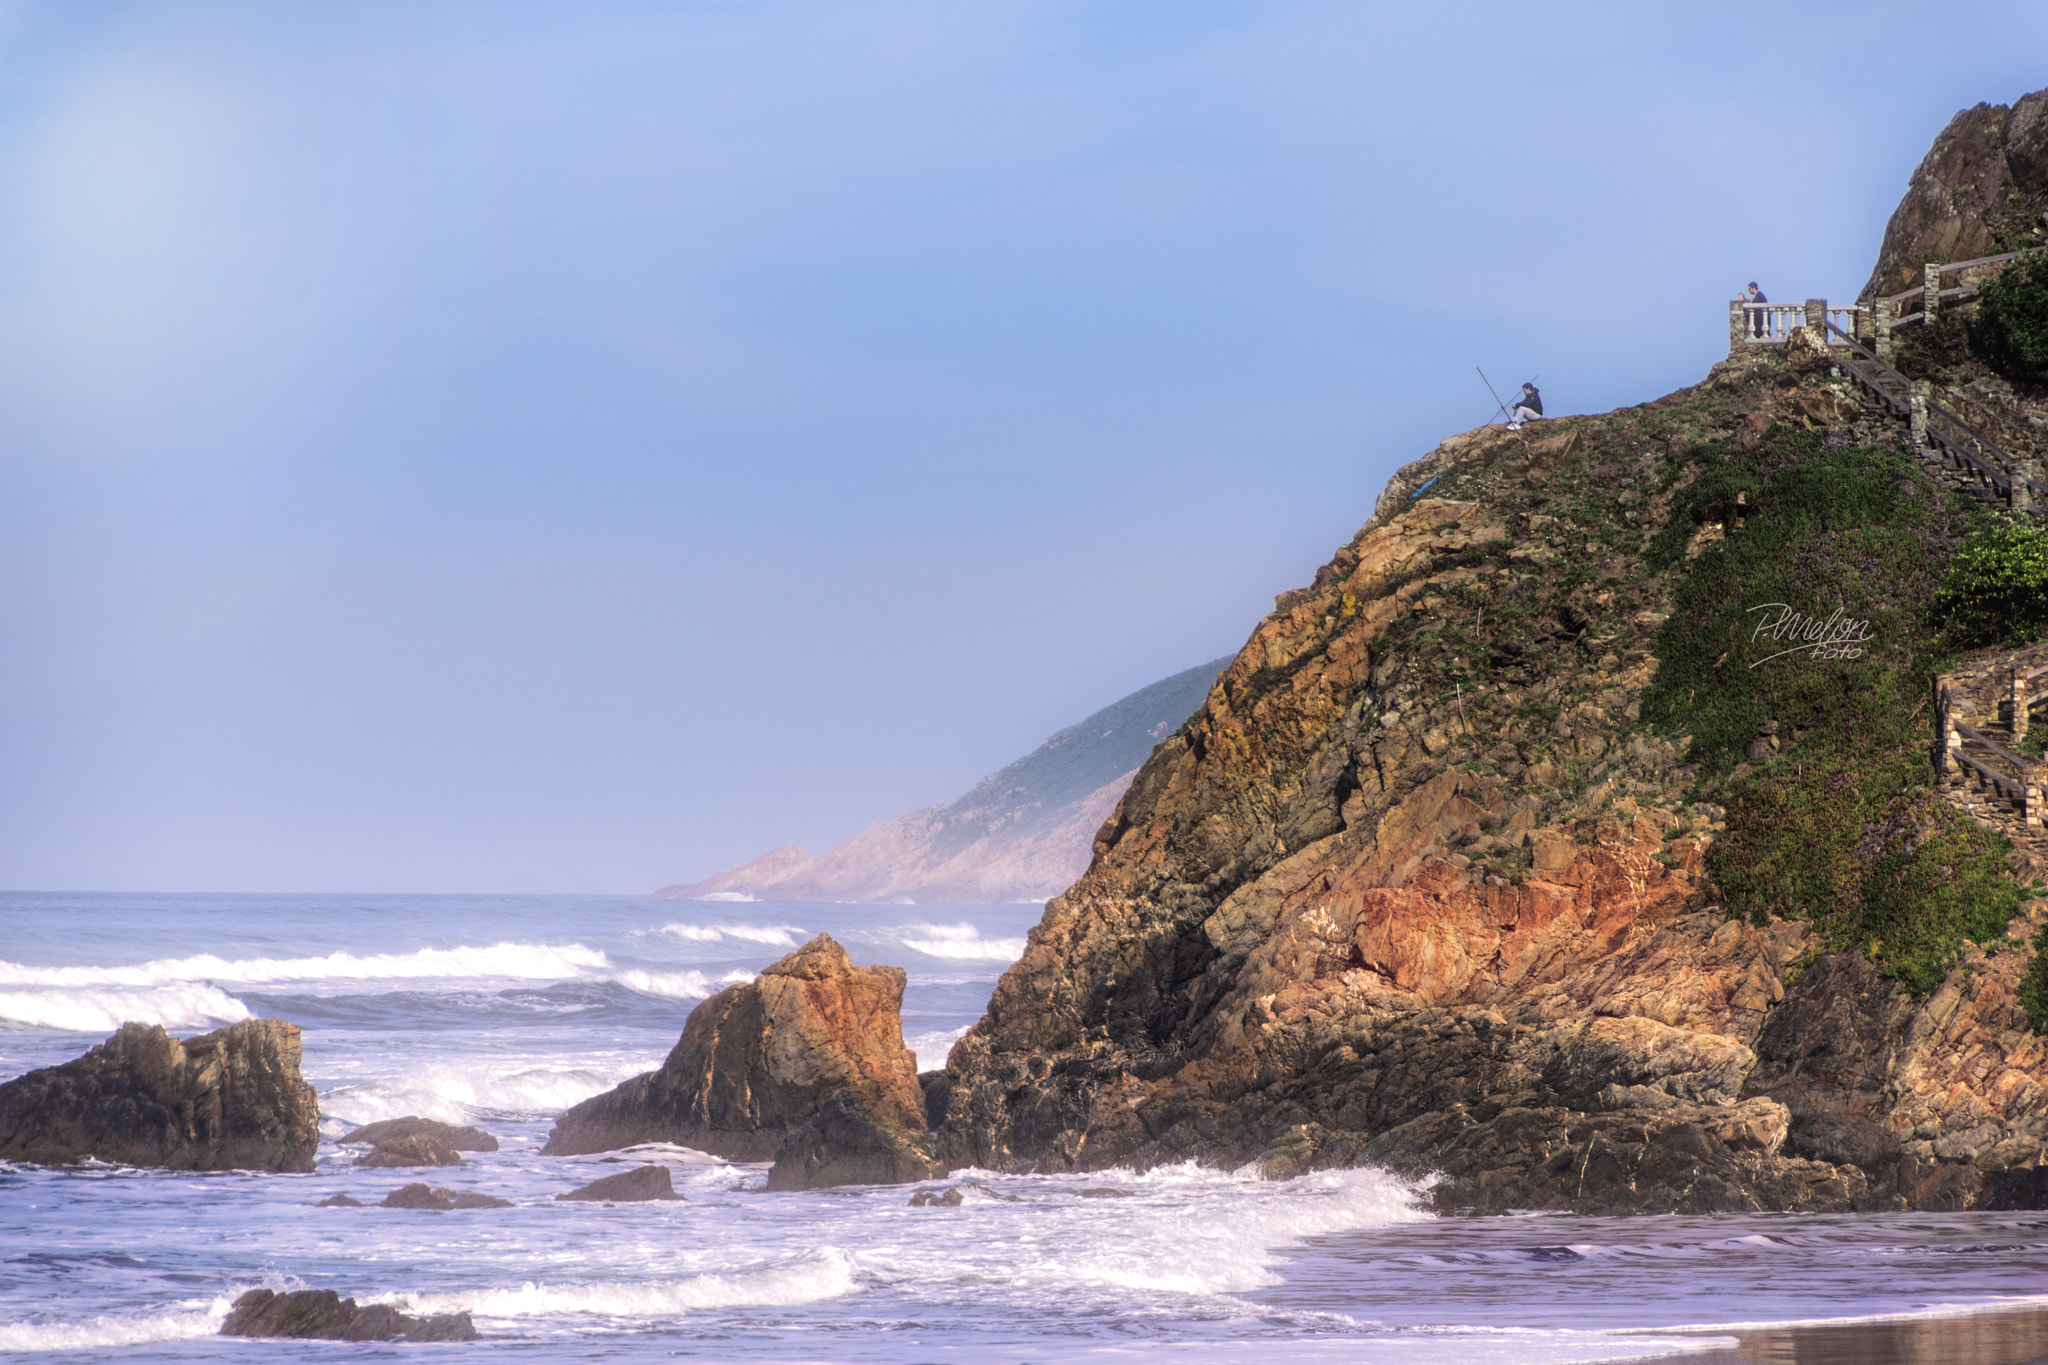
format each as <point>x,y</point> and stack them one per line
<point>1981,190</point>
<point>1410,892</point>
<point>1020,835</point>
<point>805,1064</point>
<point>228,1100</point>
<point>322,1314</point>
<point>452,1136</point>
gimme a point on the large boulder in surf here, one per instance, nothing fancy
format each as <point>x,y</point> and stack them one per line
<point>759,1062</point>
<point>387,1131</point>
<point>627,1187</point>
<point>228,1100</point>
<point>417,1149</point>
<point>323,1315</point>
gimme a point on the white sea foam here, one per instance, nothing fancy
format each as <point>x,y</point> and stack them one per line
<point>517,961</point>
<point>101,1332</point>
<point>772,935</point>
<point>823,1274</point>
<point>725,896</point>
<point>931,1049</point>
<point>102,1009</point>
<point>957,941</point>
<point>455,1094</point>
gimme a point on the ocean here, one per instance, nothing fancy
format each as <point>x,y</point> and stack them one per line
<point>501,1011</point>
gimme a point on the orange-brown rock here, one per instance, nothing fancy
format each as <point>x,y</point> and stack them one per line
<point>1414,891</point>
<point>228,1100</point>
<point>809,1055</point>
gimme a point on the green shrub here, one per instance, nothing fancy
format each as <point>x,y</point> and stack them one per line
<point>1997,587</point>
<point>2012,320</point>
<point>2034,985</point>
<point>1840,824</point>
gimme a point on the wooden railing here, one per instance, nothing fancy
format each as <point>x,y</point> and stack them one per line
<point>1769,324</point>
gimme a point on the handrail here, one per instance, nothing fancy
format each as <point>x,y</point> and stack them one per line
<point>1943,269</point>
<point>2000,479</point>
<point>1993,745</point>
<point>2034,673</point>
<point>2019,793</point>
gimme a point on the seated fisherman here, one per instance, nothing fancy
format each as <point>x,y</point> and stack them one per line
<point>1529,405</point>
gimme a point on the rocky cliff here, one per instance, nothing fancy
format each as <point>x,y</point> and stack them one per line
<point>1514,851</point>
<point>228,1100</point>
<point>1021,834</point>
<point>1982,189</point>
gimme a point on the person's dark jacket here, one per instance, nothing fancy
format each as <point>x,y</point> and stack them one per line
<point>1531,400</point>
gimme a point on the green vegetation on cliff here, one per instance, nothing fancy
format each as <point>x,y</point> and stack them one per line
<point>1821,755</point>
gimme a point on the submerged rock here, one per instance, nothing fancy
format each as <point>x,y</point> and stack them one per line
<point>644,1182</point>
<point>228,1100</point>
<point>417,1149</point>
<point>322,1314</point>
<point>341,1201</point>
<point>448,1135</point>
<point>805,1064</point>
<point>420,1195</point>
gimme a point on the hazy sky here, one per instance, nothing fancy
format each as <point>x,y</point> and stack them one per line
<point>527,447</point>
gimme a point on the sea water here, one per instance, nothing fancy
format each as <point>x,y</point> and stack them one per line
<point>503,1011</point>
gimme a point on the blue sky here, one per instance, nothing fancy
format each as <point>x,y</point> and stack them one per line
<point>459,446</point>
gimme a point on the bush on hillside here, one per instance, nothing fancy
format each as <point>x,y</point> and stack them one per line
<point>2012,320</point>
<point>1997,588</point>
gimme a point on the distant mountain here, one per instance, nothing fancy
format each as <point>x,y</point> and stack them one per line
<point>1021,834</point>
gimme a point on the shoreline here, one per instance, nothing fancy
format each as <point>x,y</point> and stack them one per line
<point>1987,1336</point>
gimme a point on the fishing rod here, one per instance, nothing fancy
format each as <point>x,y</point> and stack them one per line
<point>1499,406</point>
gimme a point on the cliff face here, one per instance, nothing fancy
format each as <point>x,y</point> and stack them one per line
<point>1419,885</point>
<point>1021,834</point>
<point>1981,190</point>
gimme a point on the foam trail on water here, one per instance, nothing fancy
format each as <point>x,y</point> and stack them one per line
<point>519,961</point>
<point>961,941</point>
<point>103,1009</point>
<point>825,1274</point>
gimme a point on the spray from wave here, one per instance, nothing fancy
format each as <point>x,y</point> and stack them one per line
<point>773,936</point>
<point>104,1009</point>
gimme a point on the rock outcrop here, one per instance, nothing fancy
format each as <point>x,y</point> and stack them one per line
<point>1980,191</point>
<point>421,1195</point>
<point>449,1135</point>
<point>810,1053</point>
<point>639,1184</point>
<point>228,1100</point>
<point>323,1315</point>
<point>1020,835</point>
<point>413,1149</point>
<point>1415,888</point>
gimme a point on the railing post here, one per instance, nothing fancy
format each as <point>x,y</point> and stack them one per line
<point>1931,292</point>
<point>1738,328</point>
<point>1881,325</point>
<point>1947,740</point>
<point>2030,804</point>
<point>2019,706</point>
<point>1918,418</point>
<point>1817,317</point>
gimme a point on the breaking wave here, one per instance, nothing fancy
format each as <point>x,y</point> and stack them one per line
<point>457,1095</point>
<point>107,1331</point>
<point>958,941</point>
<point>808,1278</point>
<point>773,936</point>
<point>105,1008</point>
<point>519,961</point>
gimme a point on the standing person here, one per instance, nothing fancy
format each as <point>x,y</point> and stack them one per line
<point>1756,318</point>
<point>1529,405</point>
